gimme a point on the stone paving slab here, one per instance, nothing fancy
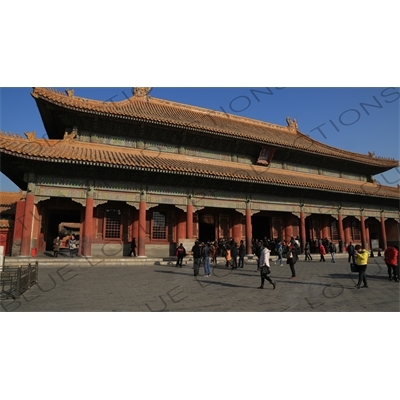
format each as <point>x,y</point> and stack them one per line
<point>318,287</point>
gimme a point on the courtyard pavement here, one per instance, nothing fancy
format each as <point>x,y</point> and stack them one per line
<point>69,286</point>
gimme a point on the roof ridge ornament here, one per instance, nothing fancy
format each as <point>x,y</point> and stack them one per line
<point>31,136</point>
<point>141,91</point>
<point>70,136</point>
<point>292,125</point>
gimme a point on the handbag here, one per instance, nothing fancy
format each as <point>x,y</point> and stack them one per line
<point>354,267</point>
<point>265,270</point>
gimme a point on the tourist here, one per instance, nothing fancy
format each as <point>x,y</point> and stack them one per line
<point>242,253</point>
<point>391,258</point>
<point>265,268</point>
<point>280,253</point>
<point>332,251</point>
<point>257,252</point>
<point>292,258</point>
<point>350,252</point>
<point>72,246</point>
<point>228,256</point>
<point>234,255</point>
<point>196,251</point>
<point>56,246</point>
<point>214,249</point>
<point>133,248</point>
<point>361,260</point>
<point>307,252</point>
<point>322,252</point>
<point>180,253</point>
<point>207,258</point>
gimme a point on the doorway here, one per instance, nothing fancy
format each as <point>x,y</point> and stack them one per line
<point>55,219</point>
<point>207,227</point>
<point>261,227</point>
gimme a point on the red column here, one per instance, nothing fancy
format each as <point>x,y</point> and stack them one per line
<point>181,225</point>
<point>363,233</point>
<point>325,227</point>
<point>341,232</point>
<point>347,229</point>
<point>27,225</point>
<point>248,229</point>
<point>237,227</point>
<point>189,220</point>
<point>288,227</point>
<point>383,233</point>
<point>88,228</point>
<point>302,230</point>
<point>142,228</point>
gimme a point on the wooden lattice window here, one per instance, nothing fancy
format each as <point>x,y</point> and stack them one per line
<point>355,227</point>
<point>334,230</point>
<point>113,224</point>
<point>159,226</point>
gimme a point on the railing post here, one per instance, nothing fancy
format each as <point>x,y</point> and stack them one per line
<point>18,280</point>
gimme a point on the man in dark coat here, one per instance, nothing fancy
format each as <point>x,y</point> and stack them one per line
<point>133,248</point>
<point>196,251</point>
<point>242,253</point>
<point>180,253</point>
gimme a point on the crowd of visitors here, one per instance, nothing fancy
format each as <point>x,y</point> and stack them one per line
<point>232,253</point>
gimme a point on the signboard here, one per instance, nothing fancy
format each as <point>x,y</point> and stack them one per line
<point>374,244</point>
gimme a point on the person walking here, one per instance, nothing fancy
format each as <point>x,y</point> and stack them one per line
<point>133,248</point>
<point>322,252</point>
<point>307,252</point>
<point>207,259</point>
<point>56,246</point>
<point>265,268</point>
<point>332,251</point>
<point>292,258</point>
<point>242,253</point>
<point>257,252</point>
<point>350,252</point>
<point>180,253</point>
<point>361,260</point>
<point>391,258</point>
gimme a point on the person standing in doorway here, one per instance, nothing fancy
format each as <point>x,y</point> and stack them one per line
<point>361,259</point>
<point>56,246</point>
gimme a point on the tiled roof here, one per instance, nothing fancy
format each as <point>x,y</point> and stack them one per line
<point>145,160</point>
<point>8,200</point>
<point>170,113</point>
<point>5,223</point>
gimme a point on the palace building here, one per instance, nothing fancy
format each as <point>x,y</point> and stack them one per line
<point>165,173</point>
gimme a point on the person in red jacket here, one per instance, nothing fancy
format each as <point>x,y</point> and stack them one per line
<point>392,261</point>
<point>322,252</point>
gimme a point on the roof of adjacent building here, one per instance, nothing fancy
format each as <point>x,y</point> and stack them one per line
<point>8,201</point>
<point>157,111</point>
<point>84,153</point>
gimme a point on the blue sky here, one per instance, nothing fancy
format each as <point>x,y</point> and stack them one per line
<point>355,119</point>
